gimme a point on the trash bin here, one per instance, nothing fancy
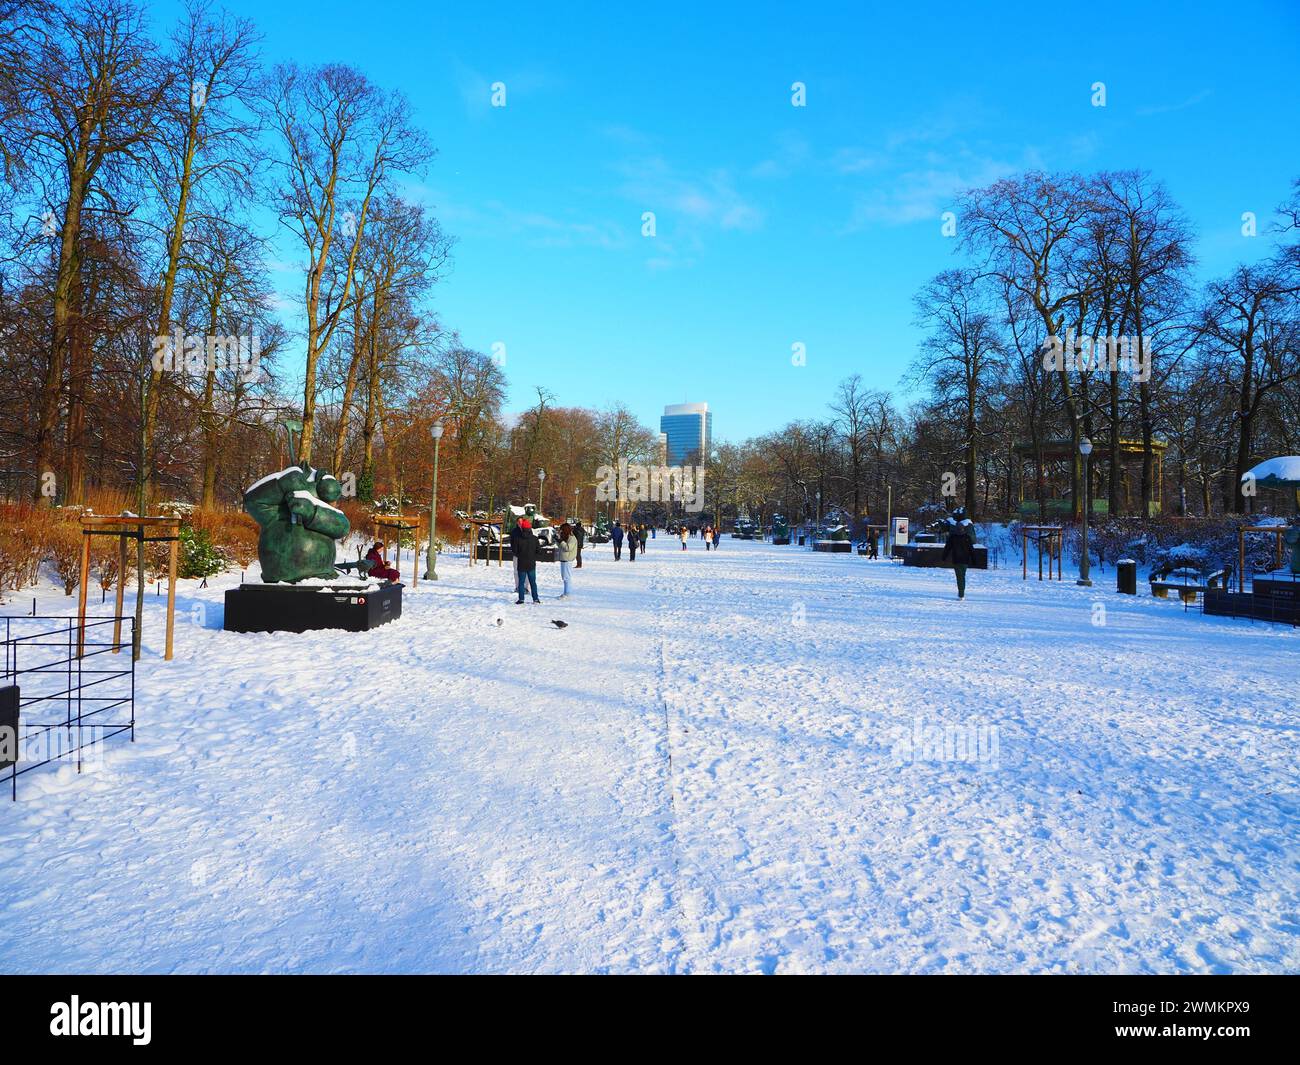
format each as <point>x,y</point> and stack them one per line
<point>1126,576</point>
<point>801,540</point>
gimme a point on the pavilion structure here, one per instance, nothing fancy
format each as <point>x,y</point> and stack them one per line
<point>1059,454</point>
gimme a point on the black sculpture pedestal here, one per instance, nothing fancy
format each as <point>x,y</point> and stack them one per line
<point>834,546</point>
<point>931,555</point>
<point>305,607</point>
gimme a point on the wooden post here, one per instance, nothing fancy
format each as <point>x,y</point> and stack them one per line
<point>415,557</point>
<point>171,587</point>
<point>137,634</point>
<point>81,592</point>
<point>1241,560</point>
<point>121,590</point>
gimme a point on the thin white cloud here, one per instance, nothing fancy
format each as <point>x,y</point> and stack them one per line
<point>708,200</point>
<point>1165,109</point>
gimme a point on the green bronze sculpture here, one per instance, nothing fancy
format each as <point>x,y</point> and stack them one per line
<point>299,526</point>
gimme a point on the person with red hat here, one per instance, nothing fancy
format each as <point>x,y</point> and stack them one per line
<point>525,546</point>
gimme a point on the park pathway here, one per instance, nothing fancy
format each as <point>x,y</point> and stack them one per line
<point>756,760</point>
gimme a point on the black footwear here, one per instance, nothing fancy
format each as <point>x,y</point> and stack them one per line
<point>536,600</point>
<point>519,602</point>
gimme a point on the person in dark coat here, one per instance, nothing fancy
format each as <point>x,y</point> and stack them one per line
<point>579,534</point>
<point>633,541</point>
<point>617,536</point>
<point>524,546</point>
<point>959,549</point>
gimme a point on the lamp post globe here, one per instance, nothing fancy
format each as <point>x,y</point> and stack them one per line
<point>431,571</point>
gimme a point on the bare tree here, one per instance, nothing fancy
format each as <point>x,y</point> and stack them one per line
<point>402,256</point>
<point>1251,318</point>
<point>95,86</point>
<point>341,138</point>
<point>1024,232</point>
<point>204,151</point>
<point>958,358</point>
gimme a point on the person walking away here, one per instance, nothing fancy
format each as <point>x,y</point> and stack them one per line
<point>379,568</point>
<point>567,552</point>
<point>524,546</point>
<point>960,550</point>
<point>617,536</point>
<point>685,533</point>
<point>645,538</point>
<point>579,534</point>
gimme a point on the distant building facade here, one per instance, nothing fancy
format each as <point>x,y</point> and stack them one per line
<point>688,428</point>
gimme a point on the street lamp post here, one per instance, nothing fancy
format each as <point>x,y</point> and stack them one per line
<point>541,491</point>
<point>431,574</point>
<point>1085,449</point>
<point>717,499</point>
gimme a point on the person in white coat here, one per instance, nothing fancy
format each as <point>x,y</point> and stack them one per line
<point>566,550</point>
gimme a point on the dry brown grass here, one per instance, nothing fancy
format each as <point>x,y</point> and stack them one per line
<point>63,549</point>
<point>232,532</point>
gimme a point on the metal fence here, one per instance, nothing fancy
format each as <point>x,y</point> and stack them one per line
<point>67,704</point>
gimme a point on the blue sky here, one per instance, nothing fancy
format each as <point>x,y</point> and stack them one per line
<point>778,224</point>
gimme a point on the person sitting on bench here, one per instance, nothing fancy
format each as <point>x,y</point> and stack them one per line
<point>379,567</point>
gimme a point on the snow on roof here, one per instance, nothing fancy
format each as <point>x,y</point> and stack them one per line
<point>1282,468</point>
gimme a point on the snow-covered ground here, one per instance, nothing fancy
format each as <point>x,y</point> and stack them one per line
<point>726,762</point>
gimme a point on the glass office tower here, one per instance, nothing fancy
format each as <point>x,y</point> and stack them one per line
<point>689,429</point>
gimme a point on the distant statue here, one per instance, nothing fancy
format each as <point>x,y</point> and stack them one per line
<point>299,526</point>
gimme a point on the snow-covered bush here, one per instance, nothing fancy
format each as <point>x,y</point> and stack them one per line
<point>1201,543</point>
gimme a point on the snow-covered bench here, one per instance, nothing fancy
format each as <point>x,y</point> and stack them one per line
<point>1187,581</point>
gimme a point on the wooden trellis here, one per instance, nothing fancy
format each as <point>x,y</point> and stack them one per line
<point>402,523</point>
<point>129,527</point>
<point>479,523</point>
<point>1053,536</point>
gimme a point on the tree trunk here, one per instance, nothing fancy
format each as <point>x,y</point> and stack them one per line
<point>69,265</point>
<point>175,242</point>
